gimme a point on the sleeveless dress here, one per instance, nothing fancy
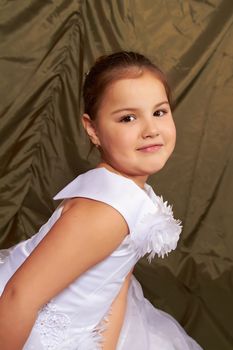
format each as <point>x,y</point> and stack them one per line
<point>75,318</point>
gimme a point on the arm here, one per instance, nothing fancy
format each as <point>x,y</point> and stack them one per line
<point>87,226</point>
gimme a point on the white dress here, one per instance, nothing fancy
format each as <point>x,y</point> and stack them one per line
<point>74,318</point>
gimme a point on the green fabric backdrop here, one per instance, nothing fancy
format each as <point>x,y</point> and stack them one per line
<point>45,49</point>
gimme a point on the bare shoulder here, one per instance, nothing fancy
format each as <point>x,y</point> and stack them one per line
<point>68,203</point>
<point>92,208</point>
<point>86,233</point>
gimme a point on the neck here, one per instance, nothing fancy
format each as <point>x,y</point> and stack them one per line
<point>139,180</point>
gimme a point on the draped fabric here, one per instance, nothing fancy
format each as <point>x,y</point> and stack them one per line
<point>45,49</point>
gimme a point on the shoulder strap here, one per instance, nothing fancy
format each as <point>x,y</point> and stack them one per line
<point>118,191</point>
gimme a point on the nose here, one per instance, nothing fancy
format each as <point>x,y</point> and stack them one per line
<point>150,128</point>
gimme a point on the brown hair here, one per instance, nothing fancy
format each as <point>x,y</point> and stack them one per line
<point>110,68</point>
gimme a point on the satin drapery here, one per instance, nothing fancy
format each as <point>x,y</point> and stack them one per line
<point>45,48</point>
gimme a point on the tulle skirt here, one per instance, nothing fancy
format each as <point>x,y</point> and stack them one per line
<point>148,328</point>
<point>145,327</point>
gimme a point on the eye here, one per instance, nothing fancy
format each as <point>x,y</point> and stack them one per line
<point>128,118</point>
<point>160,113</point>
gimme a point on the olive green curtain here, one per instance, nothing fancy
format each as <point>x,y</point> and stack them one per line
<point>45,49</point>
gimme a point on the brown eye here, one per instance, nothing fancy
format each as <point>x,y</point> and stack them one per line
<point>159,113</point>
<point>128,118</point>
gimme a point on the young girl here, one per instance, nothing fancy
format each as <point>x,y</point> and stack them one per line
<point>71,286</point>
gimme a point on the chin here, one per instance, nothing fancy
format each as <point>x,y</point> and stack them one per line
<point>150,170</point>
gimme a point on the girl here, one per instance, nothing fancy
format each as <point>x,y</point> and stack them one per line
<point>70,286</point>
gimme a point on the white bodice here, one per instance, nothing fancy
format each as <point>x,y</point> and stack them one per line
<point>77,311</point>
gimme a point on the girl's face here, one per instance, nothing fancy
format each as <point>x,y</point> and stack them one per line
<point>134,127</point>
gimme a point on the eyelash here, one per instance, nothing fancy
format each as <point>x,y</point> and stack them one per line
<point>160,110</point>
<point>124,119</point>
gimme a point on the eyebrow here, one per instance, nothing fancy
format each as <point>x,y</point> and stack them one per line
<point>135,109</point>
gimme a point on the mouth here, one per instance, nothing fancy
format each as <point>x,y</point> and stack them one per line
<point>150,148</point>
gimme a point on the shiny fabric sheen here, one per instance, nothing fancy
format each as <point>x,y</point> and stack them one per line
<point>45,49</point>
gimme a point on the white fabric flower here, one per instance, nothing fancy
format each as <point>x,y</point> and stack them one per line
<point>156,233</point>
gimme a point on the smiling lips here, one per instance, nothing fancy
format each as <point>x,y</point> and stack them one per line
<point>150,148</point>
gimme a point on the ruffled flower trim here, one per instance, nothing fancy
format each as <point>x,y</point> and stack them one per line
<point>157,233</point>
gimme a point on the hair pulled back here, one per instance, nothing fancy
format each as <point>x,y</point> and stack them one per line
<point>110,68</point>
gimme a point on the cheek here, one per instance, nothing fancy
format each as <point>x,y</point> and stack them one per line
<point>173,133</point>
<point>170,137</point>
<point>110,141</point>
<point>170,131</point>
<point>115,138</point>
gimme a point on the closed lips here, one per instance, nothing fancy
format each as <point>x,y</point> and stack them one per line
<point>148,146</point>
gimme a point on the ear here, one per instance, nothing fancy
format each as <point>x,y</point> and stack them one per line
<point>90,128</point>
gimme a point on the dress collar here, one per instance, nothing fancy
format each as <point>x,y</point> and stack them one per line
<point>147,192</point>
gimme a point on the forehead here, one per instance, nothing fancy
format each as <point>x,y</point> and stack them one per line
<point>146,87</point>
